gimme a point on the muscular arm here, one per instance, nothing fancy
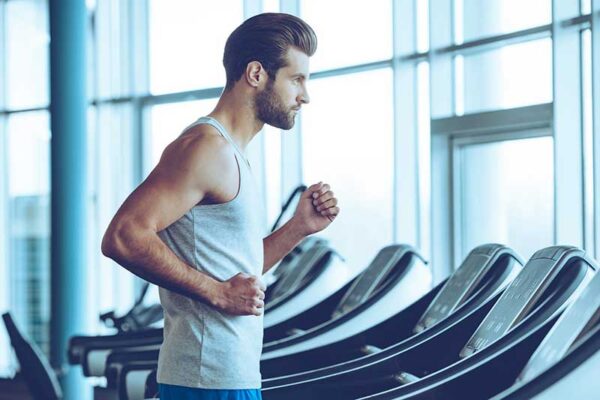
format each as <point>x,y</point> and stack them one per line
<point>193,168</point>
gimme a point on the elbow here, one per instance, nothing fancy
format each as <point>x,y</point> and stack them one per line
<point>109,246</point>
<point>113,242</point>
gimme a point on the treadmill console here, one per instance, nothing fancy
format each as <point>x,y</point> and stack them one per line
<point>462,282</point>
<point>301,268</point>
<point>572,325</point>
<point>370,279</point>
<point>290,260</point>
<point>521,295</point>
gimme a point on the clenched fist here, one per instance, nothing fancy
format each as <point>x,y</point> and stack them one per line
<point>316,210</point>
<point>242,294</point>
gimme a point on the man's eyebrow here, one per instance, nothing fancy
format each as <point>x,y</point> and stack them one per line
<point>299,75</point>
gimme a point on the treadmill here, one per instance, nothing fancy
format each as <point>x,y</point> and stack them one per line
<point>394,268</point>
<point>520,318</point>
<point>36,377</point>
<point>567,361</point>
<point>483,274</point>
<point>309,279</point>
<point>396,278</point>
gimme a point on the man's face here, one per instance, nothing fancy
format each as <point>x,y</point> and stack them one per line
<point>279,102</point>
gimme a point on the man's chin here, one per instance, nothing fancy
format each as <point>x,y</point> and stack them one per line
<point>284,126</point>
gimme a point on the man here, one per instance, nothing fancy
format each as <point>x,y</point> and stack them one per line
<point>194,225</point>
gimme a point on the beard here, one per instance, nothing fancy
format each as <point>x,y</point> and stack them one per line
<point>271,110</point>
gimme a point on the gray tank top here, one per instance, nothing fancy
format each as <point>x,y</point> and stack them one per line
<point>202,347</point>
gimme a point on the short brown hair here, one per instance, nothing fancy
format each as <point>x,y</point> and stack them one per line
<point>266,38</point>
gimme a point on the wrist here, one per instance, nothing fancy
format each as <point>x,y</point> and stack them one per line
<point>296,229</point>
<point>215,293</point>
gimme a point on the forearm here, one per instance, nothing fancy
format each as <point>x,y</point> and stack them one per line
<point>145,255</point>
<point>280,243</point>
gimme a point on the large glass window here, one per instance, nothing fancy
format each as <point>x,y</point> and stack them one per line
<point>29,225</point>
<point>167,121</point>
<point>347,141</point>
<point>475,19</point>
<point>509,77</point>
<point>186,42</point>
<point>514,204</point>
<point>359,35</point>
<point>26,54</point>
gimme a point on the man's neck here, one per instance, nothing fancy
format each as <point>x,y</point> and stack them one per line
<point>236,114</point>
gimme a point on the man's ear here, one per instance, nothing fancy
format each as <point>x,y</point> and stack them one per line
<point>255,74</point>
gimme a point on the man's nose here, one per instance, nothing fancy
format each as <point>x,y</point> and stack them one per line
<point>304,97</point>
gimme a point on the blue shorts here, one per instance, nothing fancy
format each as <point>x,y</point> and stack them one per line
<point>174,392</point>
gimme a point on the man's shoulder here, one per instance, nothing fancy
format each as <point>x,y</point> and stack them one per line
<point>203,158</point>
<point>201,146</point>
<point>204,139</point>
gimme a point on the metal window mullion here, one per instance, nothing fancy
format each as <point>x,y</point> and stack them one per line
<point>441,215</point>
<point>568,132</point>
<point>256,148</point>
<point>504,136</point>
<point>139,71</point>
<point>587,148</point>
<point>136,80</point>
<point>23,110</point>
<point>405,151</point>
<point>595,22</point>
<point>139,83</point>
<point>521,118</point>
<point>3,55</point>
<point>4,211</point>
<point>492,42</point>
<point>99,62</point>
<point>291,142</point>
<point>456,186</point>
<point>441,105</point>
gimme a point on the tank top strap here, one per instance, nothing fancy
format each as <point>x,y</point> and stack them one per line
<point>217,125</point>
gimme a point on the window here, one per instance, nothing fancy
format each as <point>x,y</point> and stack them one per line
<point>26,54</point>
<point>167,121</point>
<point>347,141</point>
<point>28,281</point>
<point>359,35</point>
<point>513,204</point>
<point>475,19</point>
<point>509,77</point>
<point>186,40</point>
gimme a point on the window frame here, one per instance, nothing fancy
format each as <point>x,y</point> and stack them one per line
<point>569,201</point>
